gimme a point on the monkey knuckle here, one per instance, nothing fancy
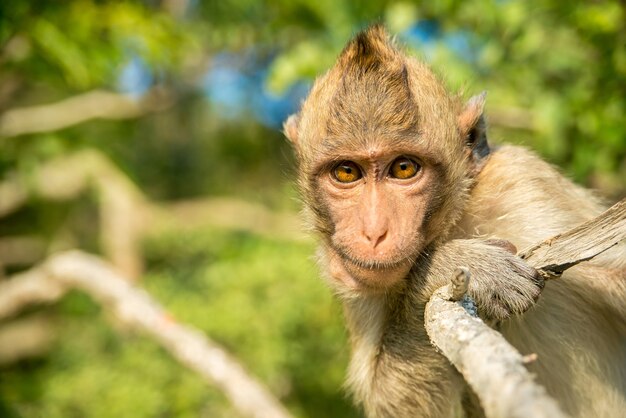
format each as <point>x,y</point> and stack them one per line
<point>502,244</point>
<point>500,312</point>
<point>538,280</point>
<point>514,296</point>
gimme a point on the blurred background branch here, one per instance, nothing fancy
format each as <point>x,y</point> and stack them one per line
<point>26,338</point>
<point>133,307</point>
<point>81,108</point>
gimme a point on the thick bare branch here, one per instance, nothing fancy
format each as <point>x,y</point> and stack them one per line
<point>135,308</point>
<point>492,367</point>
<point>121,203</point>
<point>224,213</point>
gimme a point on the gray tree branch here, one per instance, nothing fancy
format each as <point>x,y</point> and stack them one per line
<point>492,367</point>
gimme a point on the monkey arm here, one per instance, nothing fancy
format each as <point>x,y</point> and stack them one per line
<point>503,284</point>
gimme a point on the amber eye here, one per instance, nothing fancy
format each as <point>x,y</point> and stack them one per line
<point>404,168</point>
<point>347,172</point>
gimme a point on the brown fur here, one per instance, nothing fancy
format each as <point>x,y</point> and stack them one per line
<point>387,244</point>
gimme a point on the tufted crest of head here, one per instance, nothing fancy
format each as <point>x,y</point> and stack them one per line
<point>370,51</point>
<point>374,92</point>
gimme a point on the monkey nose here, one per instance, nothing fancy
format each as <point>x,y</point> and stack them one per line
<point>375,237</point>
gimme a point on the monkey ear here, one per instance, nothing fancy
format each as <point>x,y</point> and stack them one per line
<point>290,128</point>
<point>473,127</point>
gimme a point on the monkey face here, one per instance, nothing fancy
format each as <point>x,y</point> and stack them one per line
<point>377,203</point>
<point>386,158</point>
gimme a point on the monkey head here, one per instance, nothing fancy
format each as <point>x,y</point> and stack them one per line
<point>386,157</point>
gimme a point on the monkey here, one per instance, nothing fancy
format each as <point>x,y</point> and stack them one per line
<point>401,187</point>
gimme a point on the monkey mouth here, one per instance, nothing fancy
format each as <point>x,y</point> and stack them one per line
<point>369,275</point>
<point>372,264</point>
<point>375,275</point>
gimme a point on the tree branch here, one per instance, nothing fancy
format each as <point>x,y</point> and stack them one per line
<point>134,307</point>
<point>24,338</point>
<point>127,215</point>
<point>97,104</point>
<point>492,367</point>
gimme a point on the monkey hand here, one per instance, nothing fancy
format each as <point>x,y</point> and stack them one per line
<point>501,283</point>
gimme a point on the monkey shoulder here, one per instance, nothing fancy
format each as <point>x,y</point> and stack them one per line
<point>519,197</point>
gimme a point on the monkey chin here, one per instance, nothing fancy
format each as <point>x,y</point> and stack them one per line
<point>359,278</point>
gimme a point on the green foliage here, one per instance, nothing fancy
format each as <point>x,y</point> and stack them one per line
<point>96,373</point>
<point>83,43</point>
<point>563,62</point>
<point>260,298</point>
<point>293,329</point>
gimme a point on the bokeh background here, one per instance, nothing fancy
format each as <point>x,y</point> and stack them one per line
<point>148,132</point>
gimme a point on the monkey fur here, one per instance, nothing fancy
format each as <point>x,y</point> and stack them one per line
<point>402,187</point>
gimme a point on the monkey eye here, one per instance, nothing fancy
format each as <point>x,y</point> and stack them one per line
<point>404,168</point>
<point>347,172</point>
